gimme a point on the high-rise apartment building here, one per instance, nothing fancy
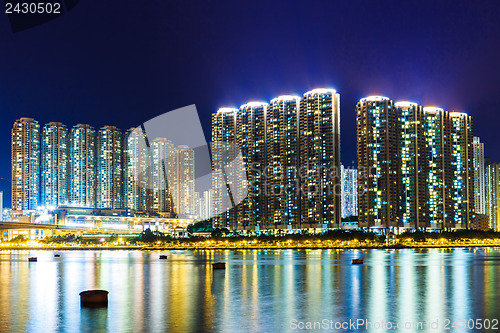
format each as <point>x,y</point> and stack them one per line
<point>102,170</point>
<point>251,141</point>
<point>282,179</point>
<point>54,165</point>
<point>149,173</point>
<point>207,204</point>
<point>437,153</point>
<point>82,166</point>
<point>109,168</point>
<point>377,133</point>
<point>224,181</point>
<point>137,172</point>
<point>25,164</point>
<point>319,126</point>
<point>198,205</point>
<point>479,177</point>
<point>349,181</point>
<point>203,204</point>
<point>411,169</point>
<point>163,172</point>
<point>417,166</point>
<point>493,195</point>
<point>462,167</point>
<point>291,153</point>
<point>184,182</point>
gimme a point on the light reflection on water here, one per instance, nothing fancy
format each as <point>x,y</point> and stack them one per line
<point>260,291</point>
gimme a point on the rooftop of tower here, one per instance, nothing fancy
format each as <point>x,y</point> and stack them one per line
<point>27,120</point>
<point>226,110</point>
<point>285,98</point>
<point>405,104</point>
<point>432,109</point>
<point>458,114</point>
<point>374,99</point>
<point>320,91</point>
<point>254,104</point>
<point>87,126</point>
<point>55,123</point>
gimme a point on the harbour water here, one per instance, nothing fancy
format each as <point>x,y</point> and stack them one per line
<point>259,291</point>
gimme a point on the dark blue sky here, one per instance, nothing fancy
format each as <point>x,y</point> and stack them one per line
<point>124,62</point>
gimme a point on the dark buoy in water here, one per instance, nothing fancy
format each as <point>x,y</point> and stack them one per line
<point>57,255</point>
<point>94,298</point>
<point>163,256</point>
<point>219,265</point>
<point>357,261</point>
<point>32,259</point>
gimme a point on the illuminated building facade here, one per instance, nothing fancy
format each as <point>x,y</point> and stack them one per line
<point>437,153</point>
<point>282,182</point>
<point>223,180</point>
<point>54,165</point>
<point>109,168</point>
<point>319,151</point>
<point>207,204</point>
<point>417,166</point>
<point>184,182</point>
<point>163,171</point>
<point>377,133</point>
<point>82,166</point>
<point>493,195</point>
<point>149,174</point>
<point>137,180</point>
<point>251,131</point>
<point>479,177</point>
<point>349,181</point>
<point>411,169</point>
<point>462,167</point>
<point>25,164</point>
<point>291,153</point>
<point>203,203</point>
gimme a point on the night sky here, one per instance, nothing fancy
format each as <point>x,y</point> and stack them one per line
<point>127,62</point>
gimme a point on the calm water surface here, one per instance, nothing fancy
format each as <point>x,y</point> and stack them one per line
<point>260,291</point>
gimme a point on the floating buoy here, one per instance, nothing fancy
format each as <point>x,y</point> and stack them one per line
<point>163,256</point>
<point>32,259</point>
<point>357,261</point>
<point>94,298</point>
<point>219,265</point>
<point>57,255</point>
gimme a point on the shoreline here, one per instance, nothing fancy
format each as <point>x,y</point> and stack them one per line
<point>237,247</point>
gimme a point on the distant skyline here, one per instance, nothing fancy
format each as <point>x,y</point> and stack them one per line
<point>123,63</point>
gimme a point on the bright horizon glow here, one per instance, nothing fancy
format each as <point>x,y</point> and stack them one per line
<point>374,98</point>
